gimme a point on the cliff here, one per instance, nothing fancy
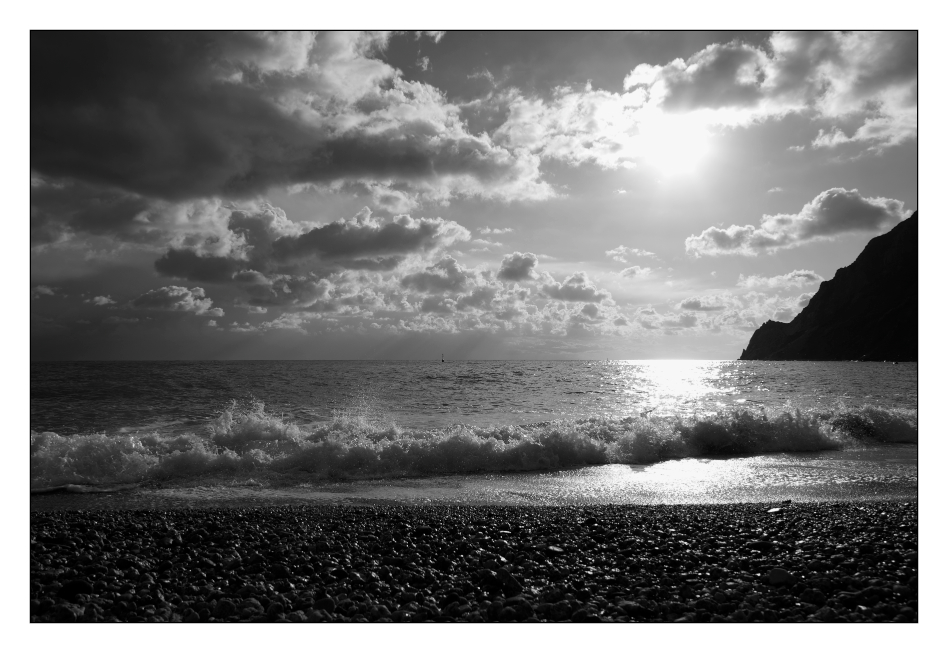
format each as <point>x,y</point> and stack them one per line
<point>868,311</point>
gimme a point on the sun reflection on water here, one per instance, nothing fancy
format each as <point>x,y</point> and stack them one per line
<point>669,386</point>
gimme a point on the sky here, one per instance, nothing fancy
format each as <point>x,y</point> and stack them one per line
<point>481,195</point>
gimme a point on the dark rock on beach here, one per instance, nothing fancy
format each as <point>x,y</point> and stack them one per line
<point>823,562</point>
<point>868,311</point>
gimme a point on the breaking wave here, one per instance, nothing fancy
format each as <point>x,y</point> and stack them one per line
<point>251,442</point>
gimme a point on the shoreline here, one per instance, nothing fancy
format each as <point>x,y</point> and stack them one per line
<point>744,562</point>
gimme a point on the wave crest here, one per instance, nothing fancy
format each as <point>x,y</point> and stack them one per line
<point>359,444</point>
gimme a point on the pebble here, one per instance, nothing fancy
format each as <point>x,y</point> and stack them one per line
<point>780,576</point>
<point>478,563</point>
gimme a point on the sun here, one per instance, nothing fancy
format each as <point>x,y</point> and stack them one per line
<point>674,145</point>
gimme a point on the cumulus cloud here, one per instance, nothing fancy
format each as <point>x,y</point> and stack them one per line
<point>276,261</point>
<point>177,298</point>
<point>369,240</point>
<point>487,231</point>
<point>622,253</point>
<point>701,304</point>
<point>445,275</point>
<point>833,75</point>
<point>831,213</point>
<point>38,291</point>
<point>518,267</point>
<point>101,300</point>
<point>194,114</point>
<point>265,240</point>
<point>796,278</point>
<point>576,288</point>
<point>636,272</point>
<point>869,78</point>
<point>681,321</point>
<point>775,189</point>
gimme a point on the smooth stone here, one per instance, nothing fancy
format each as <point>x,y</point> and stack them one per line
<point>780,576</point>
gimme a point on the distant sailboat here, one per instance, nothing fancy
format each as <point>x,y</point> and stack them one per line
<point>442,358</point>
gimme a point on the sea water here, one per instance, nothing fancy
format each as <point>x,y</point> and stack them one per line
<point>479,431</point>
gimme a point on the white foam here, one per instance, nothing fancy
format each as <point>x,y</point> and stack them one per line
<point>249,441</point>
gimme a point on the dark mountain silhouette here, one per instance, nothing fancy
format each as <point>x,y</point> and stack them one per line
<point>868,311</point>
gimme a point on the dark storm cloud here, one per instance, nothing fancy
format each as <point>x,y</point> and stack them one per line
<point>187,264</point>
<point>190,114</point>
<point>831,213</point>
<point>58,210</point>
<point>518,267</point>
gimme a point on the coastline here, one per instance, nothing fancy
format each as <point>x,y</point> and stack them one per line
<point>745,562</point>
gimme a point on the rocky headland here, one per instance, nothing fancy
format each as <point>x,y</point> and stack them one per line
<point>868,311</point>
<point>790,562</point>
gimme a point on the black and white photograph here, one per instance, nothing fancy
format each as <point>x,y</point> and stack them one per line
<point>474,326</point>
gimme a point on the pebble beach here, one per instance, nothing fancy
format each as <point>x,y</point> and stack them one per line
<point>759,562</point>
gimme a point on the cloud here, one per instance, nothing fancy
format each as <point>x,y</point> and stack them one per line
<point>701,304</point>
<point>183,115</point>
<point>784,314</point>
<point>586,126</point>
<point>366,239</point>
<point>681,321</point>
<point>830,139</point>
<point>100,300</point>
<point>487,231</point>
<point>636,271</point>
<point>621,253</point>
<point>518,267</point>
<point>445,275</point>
<point>796,278</point>
<point>38,291</point>
<point>775,189</point>
<point>832,75</point>
<point>278,262</point>
<point>591,311</point>
<point>434,35</point>
<point>177,298</point>
<point>869,78</point>
<point>832,213</point>
<point>288,322</point>
<point>576,288</point>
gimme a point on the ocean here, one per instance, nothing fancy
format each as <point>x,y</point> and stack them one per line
<point>541,432</point>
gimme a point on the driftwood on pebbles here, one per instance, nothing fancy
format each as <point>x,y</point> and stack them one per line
<point>738,562</point>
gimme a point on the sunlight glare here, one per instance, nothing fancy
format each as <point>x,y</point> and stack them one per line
<point>667,385</point>
<point>674,145</point>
